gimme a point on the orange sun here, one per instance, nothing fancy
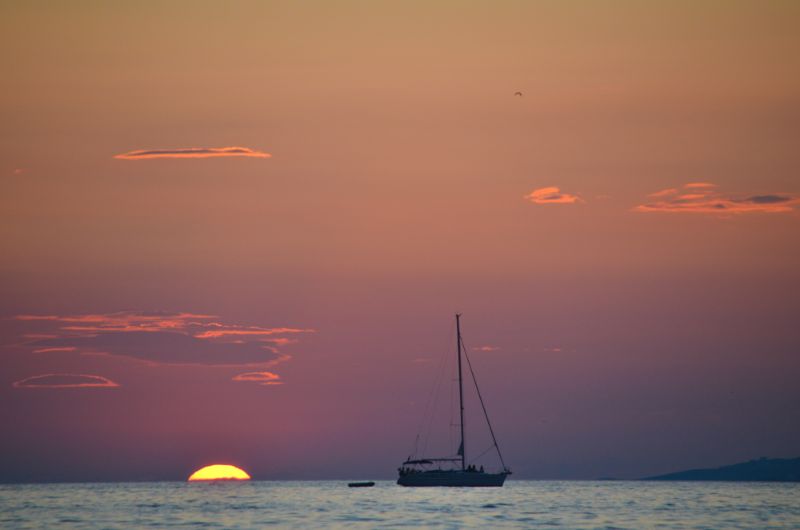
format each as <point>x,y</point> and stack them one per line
<point>219,472</point>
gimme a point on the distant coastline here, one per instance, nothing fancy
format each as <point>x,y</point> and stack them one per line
<point>760,470</point>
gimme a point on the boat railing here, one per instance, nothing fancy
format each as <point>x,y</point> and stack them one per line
<point>428,461</point>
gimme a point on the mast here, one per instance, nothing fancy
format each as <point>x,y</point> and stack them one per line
<point>460,390</point>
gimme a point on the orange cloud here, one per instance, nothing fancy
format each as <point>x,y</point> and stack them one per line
<point>57,380</point>
<point>262,378</point>
<point>192,152</point>
<point>552,195</point>
<point>158,339</point>
<point>52,350</point>
<point>254,331</point>
<point>486,348</point>
<point>122,321</point>
<point>702,197</point>
<point>664,193</point>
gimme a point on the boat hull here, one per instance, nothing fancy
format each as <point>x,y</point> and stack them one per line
<point>360,484</point>
<point>452,479</point>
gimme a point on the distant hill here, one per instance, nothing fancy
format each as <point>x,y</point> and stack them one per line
<point>763,469</point>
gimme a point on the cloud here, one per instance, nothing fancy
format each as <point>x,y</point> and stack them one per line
<point>486,348</point>
<point>664,193</point>
<point>262,378</point>
<point>251,332</point>
<point>192,152</point>
<point>552,195</point>
<point>700,185</point>
<point>57,380</point>
<point>768,199</point>
<point>702,197</point>
<point>156,338</point>
<point>121,321</point>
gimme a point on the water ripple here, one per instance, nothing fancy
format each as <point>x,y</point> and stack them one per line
<point>521,504</point>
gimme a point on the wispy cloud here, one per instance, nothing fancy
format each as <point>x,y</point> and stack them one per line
<point>192,152</point>
<point>703,197</point>
<point>57,380</point>
<point>486,348</point>
<point>157,338</point>
<point>552,195</point>
<point>663,193</point>
<point>52,350</point>
<point>250,332</point>
<point>123,321</point>
<point>262,378</point>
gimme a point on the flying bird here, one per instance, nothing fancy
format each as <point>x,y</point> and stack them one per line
<point>518,94</point>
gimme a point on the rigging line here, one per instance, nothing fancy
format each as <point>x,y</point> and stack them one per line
<point>451,410</point>
<point>415,448</point>
<point>485,414</point>
<point>483,453</point>
<point>433,396</point>
<point>438,375</point>
<point>432,411</point>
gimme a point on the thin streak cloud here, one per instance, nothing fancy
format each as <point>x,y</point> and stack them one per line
<point>158,339</point>
<point>664,193</point>
<point>220,333</point>
<point>702,197</point>
<point>193,152</point>
<point>58,380</point>
<point>262,378</point>
<point>53,350</point>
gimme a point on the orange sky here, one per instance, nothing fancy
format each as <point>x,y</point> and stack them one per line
<point>357,172</point>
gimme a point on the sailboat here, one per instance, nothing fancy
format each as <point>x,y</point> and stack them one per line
<point>454,471</point>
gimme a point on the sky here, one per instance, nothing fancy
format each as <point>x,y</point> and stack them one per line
<point>238,233</point>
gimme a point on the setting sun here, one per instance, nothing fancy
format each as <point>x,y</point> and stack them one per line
<point>219,472</point>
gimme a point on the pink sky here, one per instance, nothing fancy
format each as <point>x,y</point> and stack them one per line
<point>238,233</point>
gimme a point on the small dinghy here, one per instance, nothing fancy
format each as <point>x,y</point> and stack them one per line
<point>368,484</point>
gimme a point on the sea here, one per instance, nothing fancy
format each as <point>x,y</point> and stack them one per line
<point>331,504</point>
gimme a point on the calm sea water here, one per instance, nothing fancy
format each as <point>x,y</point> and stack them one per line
<point>520,504</point>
